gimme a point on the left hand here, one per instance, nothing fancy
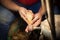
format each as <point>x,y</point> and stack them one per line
<point>35,22</point>
<point>37,19</point>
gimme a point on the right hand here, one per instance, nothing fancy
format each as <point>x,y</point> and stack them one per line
<point>23,13</point>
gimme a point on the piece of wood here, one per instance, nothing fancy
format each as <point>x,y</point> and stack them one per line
<point>29,17</point>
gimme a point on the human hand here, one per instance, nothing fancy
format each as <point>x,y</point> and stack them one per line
<point>28,28</point>
<point>37,19</point>
<point>35,22</point>
<point>24,13</point>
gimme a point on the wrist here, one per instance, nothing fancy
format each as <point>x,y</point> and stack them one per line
<point>39,13</point>
<point>18,8</point>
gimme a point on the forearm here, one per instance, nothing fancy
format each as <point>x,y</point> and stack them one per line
<point>42,8</point>
<point>42,11</point>
<point>10,5</point>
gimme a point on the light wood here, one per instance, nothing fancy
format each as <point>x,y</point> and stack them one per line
<point>29,17</point>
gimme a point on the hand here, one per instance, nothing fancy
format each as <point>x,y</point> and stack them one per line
<point>28,28</point>
<point>36,21</point>
<point>23,13</point>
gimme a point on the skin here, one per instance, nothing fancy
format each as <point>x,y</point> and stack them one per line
<point>22,11</point>
<point>37,18</point>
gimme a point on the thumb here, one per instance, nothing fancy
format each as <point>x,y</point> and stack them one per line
<point>26,30</point>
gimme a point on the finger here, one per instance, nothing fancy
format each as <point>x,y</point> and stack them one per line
<point>37,23</point>
<point>26,30</point>
<point>24,18</point>
<point>23,12</point>
<point>35,19</point>
<point>29,28</point>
